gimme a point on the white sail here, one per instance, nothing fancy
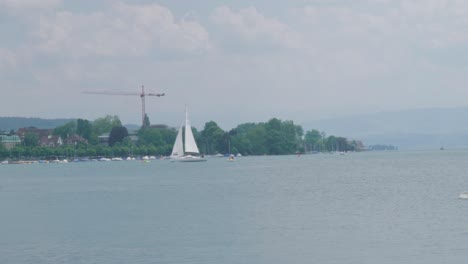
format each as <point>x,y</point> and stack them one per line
<point>190,144</point>
<point>178,149</point>
<point>191,153</point>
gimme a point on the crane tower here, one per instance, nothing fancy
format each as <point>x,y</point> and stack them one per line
<point>142,95</point>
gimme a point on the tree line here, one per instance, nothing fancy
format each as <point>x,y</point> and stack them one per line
<point>274,137</point>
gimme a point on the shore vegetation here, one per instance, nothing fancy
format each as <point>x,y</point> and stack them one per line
<point>274,137</point>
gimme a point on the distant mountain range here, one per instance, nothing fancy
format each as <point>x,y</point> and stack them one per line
<point>429,128</point>
<point>9,123</point>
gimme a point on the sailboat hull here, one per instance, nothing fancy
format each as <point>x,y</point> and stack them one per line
<point>189,159</point>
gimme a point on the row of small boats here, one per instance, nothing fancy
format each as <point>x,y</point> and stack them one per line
<point>106,159</point>
<point>144,158</point>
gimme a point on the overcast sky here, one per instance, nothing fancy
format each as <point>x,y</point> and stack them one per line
<point>231,61</point>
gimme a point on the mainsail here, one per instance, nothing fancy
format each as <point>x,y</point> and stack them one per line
<point>178,149</point>
<point>190,144</point>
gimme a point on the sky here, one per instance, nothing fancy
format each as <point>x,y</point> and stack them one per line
<point>231,61</point>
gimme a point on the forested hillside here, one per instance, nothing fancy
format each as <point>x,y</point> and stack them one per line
<point>8,123</point>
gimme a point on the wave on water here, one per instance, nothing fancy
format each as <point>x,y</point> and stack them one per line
<point>463,195</point>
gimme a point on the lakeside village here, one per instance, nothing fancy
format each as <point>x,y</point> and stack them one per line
<point>105,139</point>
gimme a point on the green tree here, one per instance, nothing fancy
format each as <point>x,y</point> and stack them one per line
<point>273,124</point>
<point>66,130</point>
<point>117,134</point>
<point>105,124</point>
<point>312,140</point>
<point>31,140</point>
<point>84,128</point>
<point>228,147</point>
<point>162,138</point>
<point>16,152</point>
<point>4,153</point>
<point>213,139</point>
<point>150,137</point>
<point>257,136</point>
<point>283,137</point>
<point>146,121</point>
<point>342,144</point>
<point>331,143</point>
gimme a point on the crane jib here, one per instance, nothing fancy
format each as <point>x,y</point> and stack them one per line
<point>142,95</point>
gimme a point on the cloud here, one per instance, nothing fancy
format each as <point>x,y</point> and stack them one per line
<point>319,56</point>
<point>422,23</point>
<point>121,30</point>
<point>376,38</point>
<point>252,26</point>
<point>29,4</point>
<point>8,59</point>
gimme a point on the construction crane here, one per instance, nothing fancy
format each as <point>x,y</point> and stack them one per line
<point>142,95</point>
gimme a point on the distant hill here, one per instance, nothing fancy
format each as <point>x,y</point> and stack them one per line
<point>428,128</point>
<point>8,123</point>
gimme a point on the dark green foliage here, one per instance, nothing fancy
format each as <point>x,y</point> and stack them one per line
<point>316,141</point>
<point>158,141</point>
<point>312,140</point>
<point>4,153</point>
<point>84,128</point>
<point>117,134</point>
<point>146,121</point>
<point>212,139</point>
<point>66,130</point>
<point>330,143</point>
<point>342,144</point>
<point>31,140</point>
<point>275,137</point>
<point>105,124</point>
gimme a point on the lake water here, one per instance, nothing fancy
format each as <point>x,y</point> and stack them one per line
<point>389,207</point>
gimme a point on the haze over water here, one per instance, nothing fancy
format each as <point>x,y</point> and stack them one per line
<point>393,207</point>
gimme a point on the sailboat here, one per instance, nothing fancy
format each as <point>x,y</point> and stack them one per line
<point>189,152</point>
